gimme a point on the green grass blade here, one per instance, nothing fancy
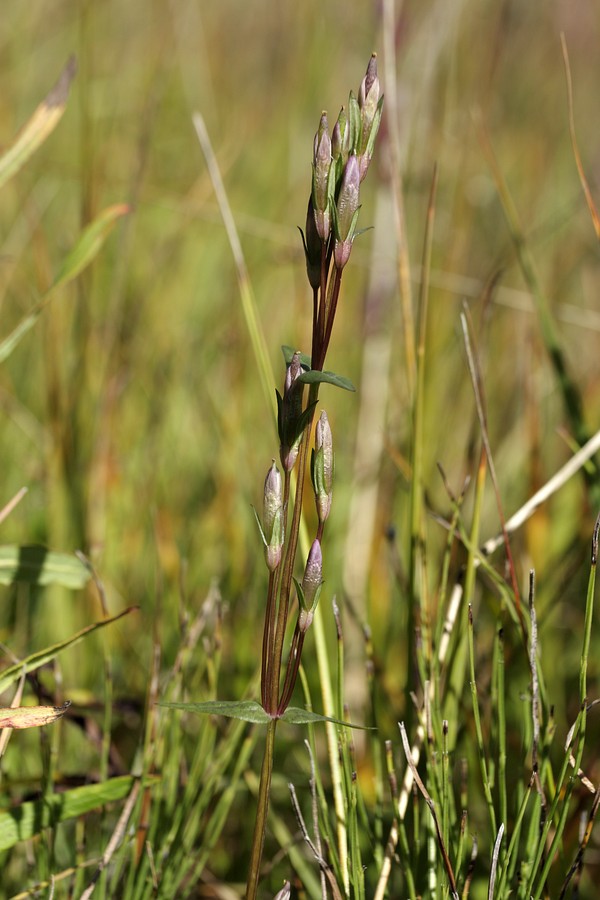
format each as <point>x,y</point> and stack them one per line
<point>41,657</point>
<point>42,123</point>
<point>88,246</point>
<point>28,819</point>
<point>36,565</point>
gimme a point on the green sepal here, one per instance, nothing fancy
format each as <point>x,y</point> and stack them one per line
<point>316,471</point>
<point>260,528</point>
<point>299,592</point>
<point>354,122</point>
<point>374,129</point>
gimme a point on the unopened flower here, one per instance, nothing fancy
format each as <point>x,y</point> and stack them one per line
<point>371,108</point>
<point>312,247</point>
<point>310,589</point>
<point>346,215</point>
<point>322,467</point>
<point>272,524</point>
<point>290,418</point>
<point>323,172</point>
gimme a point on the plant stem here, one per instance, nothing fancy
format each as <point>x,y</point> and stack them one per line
<point>260,825</point>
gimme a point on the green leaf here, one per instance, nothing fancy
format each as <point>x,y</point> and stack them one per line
<point>37,565</point>
<point>43,121</point>
<point>25,821</point>
<point>246,710</point>
<point>288,352</point>
<point>296,716</point>
<point>41,657</point>
<point>314,377</point>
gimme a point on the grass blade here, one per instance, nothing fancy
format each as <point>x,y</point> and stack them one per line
<point>36,565</point>
<point>41,657</point>
<point>28,819</point>
<point>42,123</point>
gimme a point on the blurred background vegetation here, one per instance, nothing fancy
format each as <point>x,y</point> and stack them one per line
<point>133,411</point>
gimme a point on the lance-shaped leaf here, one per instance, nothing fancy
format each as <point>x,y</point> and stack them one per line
<point>314,376</point>
<point>41,657</point>
<point>81,255</point>
<point>43,121</point>
<point>294,715</point>
<point>28,819</point>
<point>246,710</point>
<point>37,565</point>
<point>31,716</point>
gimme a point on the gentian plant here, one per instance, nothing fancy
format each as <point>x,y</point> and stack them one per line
<point>340,162</point>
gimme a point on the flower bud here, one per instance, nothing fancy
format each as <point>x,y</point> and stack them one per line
<point>308,595</point>
<point>322,467</point>
<point>368,92</point>
<point>346,215</point>
<point>290,418</point>
<point>371,108</point>
<point>272,524</point>
<point>340,137</point>
<point>312,247</point>
<point>322,165</point>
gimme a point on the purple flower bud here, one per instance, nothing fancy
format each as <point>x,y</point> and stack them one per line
<point>273,517</point>
<point>322,161</point>
<point>311,586</point>
<point>290,414</point>
<point>347,204</point>
<point>322,467</point>
<point>347,212</point>
<point>371,108</point>
<point>340,146</point>
<point>313,572</point>
<point>368,92</point>
<point>312,247</point>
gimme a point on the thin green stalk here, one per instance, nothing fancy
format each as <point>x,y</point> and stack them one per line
<point>260,825</point>
<point>478,730</point>
<point>589,609</point>
<point>501,706</point>
<point>516,832</point>
<point>445,786</point>
<point>543,836</point>
<point>416,495</point>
